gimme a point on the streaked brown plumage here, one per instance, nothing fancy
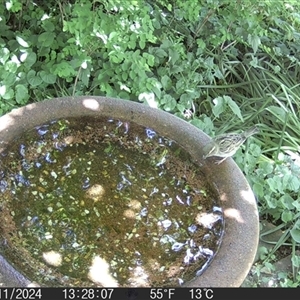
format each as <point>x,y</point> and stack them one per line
<point>225,145</point>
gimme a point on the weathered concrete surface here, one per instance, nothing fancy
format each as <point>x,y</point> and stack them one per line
<point>237,252</point>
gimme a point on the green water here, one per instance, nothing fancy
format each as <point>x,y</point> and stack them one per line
<point>107,195</point>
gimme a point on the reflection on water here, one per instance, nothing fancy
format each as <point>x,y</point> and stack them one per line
<point>107,193</point>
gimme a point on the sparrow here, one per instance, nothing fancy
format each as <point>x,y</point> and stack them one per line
<point>225,145</point>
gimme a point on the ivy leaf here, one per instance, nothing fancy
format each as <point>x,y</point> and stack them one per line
<point>85,76</point>
<point>64,69</point>
<point>287,201</point>
<point>124,76</point>
<point>46,39</point>
<point>160,53</point>
<point>30,60</point>
<point>9,78</point>
<point>291,182</point>
<point>173,53</point>
<point>258,189</point>
<point>219,106</point>
<point>295,233</point>
<point>9,94</point>
<point>169,103</point>
<point>21,94</point>
<point>287,216</point>
<point>254,41</point>
<point>47,77</point>
<point>265,168</point>
<point>157,92</point>
<point>150,59</point>
<point>142,42</point>
<point>11,66</point>
<point>166,82</point>
<point>296,204</point>
<point>32,79</point>
<point>275,184</point>
<point>48,25</point>
<point>234,107</point>
<point>4,55</point>
<point>123,95</point>
<point>186,100</point>
<point>278,112</point>
<point>296,261</point>
<point>22,42</point>
<point>132,41</point>
<point>255,150</point>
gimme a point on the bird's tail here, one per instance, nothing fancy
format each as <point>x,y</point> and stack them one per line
<point>252,130</point>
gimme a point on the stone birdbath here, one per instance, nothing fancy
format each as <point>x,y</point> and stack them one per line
<point>237,250</point>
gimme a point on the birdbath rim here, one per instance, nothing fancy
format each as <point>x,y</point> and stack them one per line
<point>233,261</point>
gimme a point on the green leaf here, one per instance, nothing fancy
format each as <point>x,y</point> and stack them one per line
<point>296,261</point>
<point>234,107</point>
<point>181,107</point>
<point>112,35</point>
<point>9,94</point>
<point>254,41</point>
<point>169,102</point>
<point>9,78</point>
<point>46,39</point>
<point>174,55</point>
<point>22,42</point>
<point>198,123</point>
<point>186,100</point>
<point>21,94</point>
<point>166,82</point>
<point>115,57</point>
<point>287,216</point>
<point>201,44</point>
<point>4,55</point>
<point>258,189</point>
<point>85,76</point>
<point>219,106</point>
<point>123,95</point>
<point>11,66</point>
<point>265,168</point>
<point>287,202</point>
<point>295,233</point>
<point>157,91</point>
<point>48,25</point>
<point>270,201</point>
<point>47,77</point>
<point>142,43</point>
<point>275,184</point>
<point>296,204</point>
<point>132,41</point>
<point>293,183</point>
<point>176,69</point>
<point>150,59</point>
<point>14,6</point>
<point>169,7</point>
<point>160,53</point>
<point>255,150</point>
<point>64,69</point>
<point>279,112</point>
<point>32,79</point>
<point>124,76</point>
<point>30,60</point>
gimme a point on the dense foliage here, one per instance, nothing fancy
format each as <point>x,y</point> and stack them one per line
<point>222,65</point>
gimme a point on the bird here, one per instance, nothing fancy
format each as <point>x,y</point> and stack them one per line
<point>225,145</point>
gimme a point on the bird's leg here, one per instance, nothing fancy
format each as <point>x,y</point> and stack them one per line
<point>220,161</point>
